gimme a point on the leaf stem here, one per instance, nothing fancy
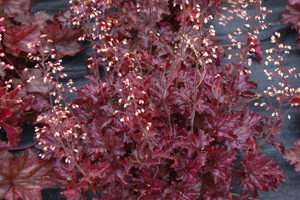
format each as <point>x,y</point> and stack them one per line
<point>21,148</point>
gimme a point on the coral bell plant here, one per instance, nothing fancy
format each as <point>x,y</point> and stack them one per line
<point>170,118</point>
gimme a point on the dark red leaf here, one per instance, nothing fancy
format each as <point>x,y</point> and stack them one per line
<point>194,143</point>
<point>11,132</point>
<point>64,18</point>
<point>260,173</point>
<point>64,39</point>
<point>20,38</point>
<point>24,176</point>
<point>37,85</point>
<point>38,103</point>
<point>293,156</point>
<point>292,15</point>
<point>11,100</point>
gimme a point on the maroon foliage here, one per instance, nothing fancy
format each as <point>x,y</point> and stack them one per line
<point>13,110</point>
<point>260,173</point>
<point>169,120</point>
<point>24,32</point>
<point>22,44</point>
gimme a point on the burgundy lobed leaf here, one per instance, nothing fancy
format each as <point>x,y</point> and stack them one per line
<point>37,85</point>
<point>13,118</point>
<point>11,132</point>
<point>292,15</point>
<point>19,39</point>
<point>293,155</point>
<point>24,176</point>
<point>260,173</point>
<point>194,143</point>
<point>37,103</point>
<point>64,39</point>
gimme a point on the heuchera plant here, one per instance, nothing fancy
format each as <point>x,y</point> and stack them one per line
<point>170,119</point>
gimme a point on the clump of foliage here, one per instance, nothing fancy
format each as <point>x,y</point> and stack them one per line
<point>170,119</point>
<point>26,39</point>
